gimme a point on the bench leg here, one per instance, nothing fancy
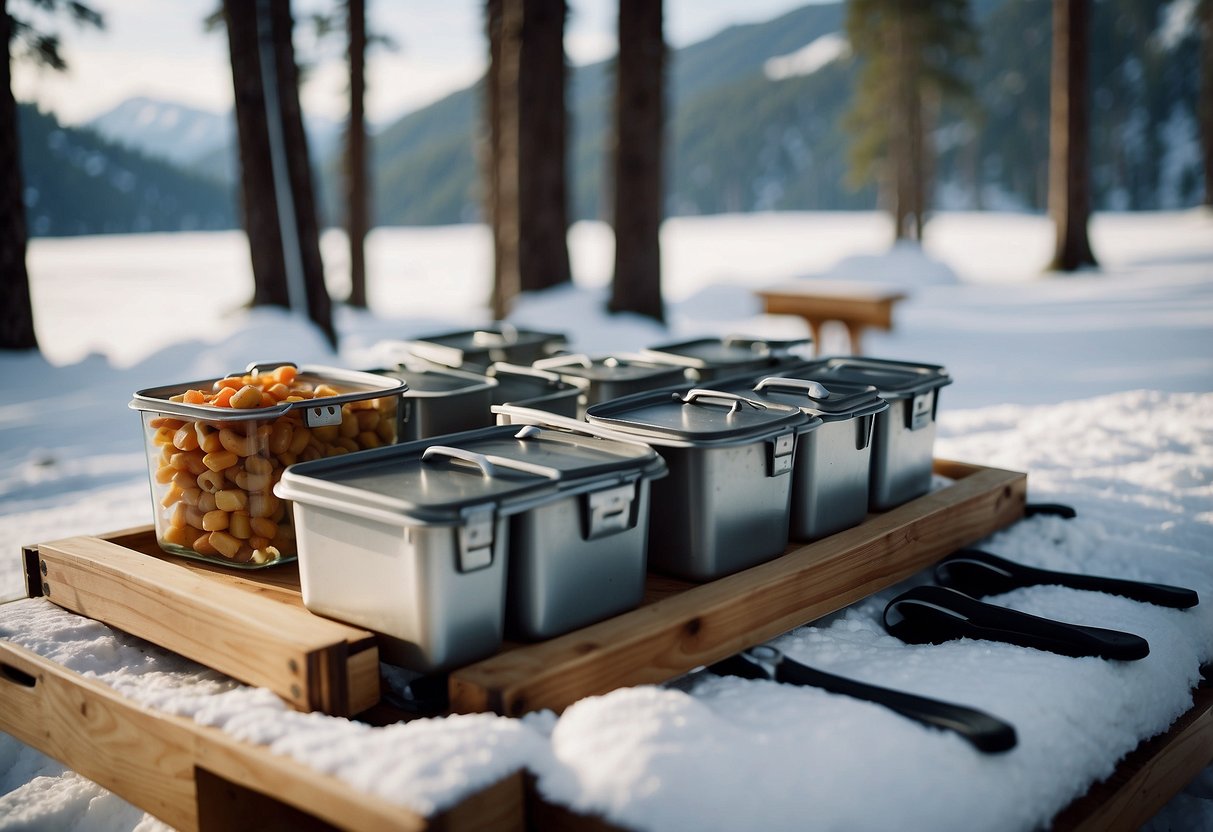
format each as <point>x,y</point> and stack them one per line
<point>856,333</point>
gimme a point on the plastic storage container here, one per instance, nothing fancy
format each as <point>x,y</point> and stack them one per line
<point>213,467</point>
<point>531,387</point>
<point>413,541</point>
<point>903,442</point>
<point>441,401</point>
<point>711,359</point>
<point>476,349</point>
<point>725,505</point>
<point>832,474</point>
<point>613,376</point>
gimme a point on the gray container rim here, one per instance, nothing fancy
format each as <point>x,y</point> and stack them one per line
<point>876,405</point>
<point>475,382</point>
<point>930,376</point>
<point>299,484</point>
<point>601,415</point>
<point>155,399</point>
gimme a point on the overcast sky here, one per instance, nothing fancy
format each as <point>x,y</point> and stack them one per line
<point>158,48</point>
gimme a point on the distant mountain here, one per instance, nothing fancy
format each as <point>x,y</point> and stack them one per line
<point>756,123</point>
<point>165,129</point>
<point>77,182</point>
<point>194,138</point>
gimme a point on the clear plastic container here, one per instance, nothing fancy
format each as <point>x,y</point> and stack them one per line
<point>213,466</point>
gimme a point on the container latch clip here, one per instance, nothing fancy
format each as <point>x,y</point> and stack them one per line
<point>476,539</point>
<point>609,510</point>
<point>781,454</point>
<point>920,411</point>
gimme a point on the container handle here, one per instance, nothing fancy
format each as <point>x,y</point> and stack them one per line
<point>694,397</point>
<point>256,367</point>
<point>813,389</point>
<point>541,418</point>
<point>578,359</point>
<point>489,464</point>
<point>520,370</point>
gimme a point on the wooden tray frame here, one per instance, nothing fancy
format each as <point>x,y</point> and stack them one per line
<point>249,624</point>
<point>252,625</point>
<point>681,626</point>
<point>195,777</point>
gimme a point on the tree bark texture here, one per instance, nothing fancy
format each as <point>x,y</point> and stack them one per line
<point>532,213</point>
<point>490,150</point>
<point>638,152</point>
<point>16,310</point>
<point>1069,135</point>
<point>357,221</point>
<point>1206,95</point>
<point>907,140</point>
<point>275,242</point>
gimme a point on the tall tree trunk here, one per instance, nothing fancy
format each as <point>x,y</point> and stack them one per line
<point>491,159</point>
<point>638,173</point>
<point>1206,95</point>
<point>1069,135</point>
<point>16,311</point>
<point>357,221</point>
<point>907,151</point>
<point>532,193</point>
<point>276,184</point>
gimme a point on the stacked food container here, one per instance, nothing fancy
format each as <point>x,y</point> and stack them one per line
<point>726,503</point>
<point>476,349</point>
<point>216,447</point>
<point>831,477</point>
<point>413,540</point>
<point>613,376</point>
<point>903,443</point>
<point>708,359</point>
<point>414,515</point>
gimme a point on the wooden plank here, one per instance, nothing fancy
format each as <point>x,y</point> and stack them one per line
<point>152,760</point>
<point>225,621</point>
<point>682,630</point>
<point>1148,777</point>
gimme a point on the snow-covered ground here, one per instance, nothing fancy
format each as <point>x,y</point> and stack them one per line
<point>1099,385</point>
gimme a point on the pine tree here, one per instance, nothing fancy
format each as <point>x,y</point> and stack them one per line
<point>20,39</point>
<point>1070,135</point>
<point>909,55</point>
<point>357,183</point>
<point>278,202</point>
<point>1205,107</point>
<point>639,173</point>
<point>531,211</point>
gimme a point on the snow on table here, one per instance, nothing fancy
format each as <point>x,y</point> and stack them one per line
<point>726,753</point>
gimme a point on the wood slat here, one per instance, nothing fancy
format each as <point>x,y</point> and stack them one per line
<point>1147,778</point>
<point>679,631</point>
<point>225,620</point>
<point>154,760</point>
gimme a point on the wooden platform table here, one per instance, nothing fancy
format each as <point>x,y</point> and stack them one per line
<point>196,777</point>
<point>855,305</point>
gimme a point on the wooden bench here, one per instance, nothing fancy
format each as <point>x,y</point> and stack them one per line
<point>855,305</point>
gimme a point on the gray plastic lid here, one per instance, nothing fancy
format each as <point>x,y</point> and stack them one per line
<point>892,379</point>
<point>698,417</point>
<point>710,352</point>
<point>437,481</point>
<point>355,386</point>
<point>829,401</point>
<point>611,368</point>
<point>428,382</point>
<point>498,335</point>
